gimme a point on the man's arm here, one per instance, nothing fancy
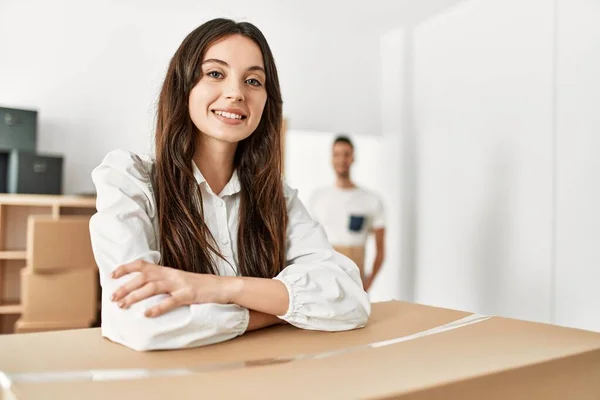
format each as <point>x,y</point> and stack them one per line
<point>379,256</point>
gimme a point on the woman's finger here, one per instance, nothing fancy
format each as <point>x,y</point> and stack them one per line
<point>128,287</point>
<point>148,290</point>
<point>164,307</point>
<point>178,298</point>
<point>135,266</point>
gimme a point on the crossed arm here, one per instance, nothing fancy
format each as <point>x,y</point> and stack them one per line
<point>157,307</point>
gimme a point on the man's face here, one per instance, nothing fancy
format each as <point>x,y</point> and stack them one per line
<point>342,159</point>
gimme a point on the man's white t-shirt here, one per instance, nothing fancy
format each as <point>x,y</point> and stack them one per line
<point>347,215</point>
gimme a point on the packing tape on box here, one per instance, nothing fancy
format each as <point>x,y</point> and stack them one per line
<point>6,379</point>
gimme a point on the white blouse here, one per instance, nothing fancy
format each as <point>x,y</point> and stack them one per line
<point>325,288</point>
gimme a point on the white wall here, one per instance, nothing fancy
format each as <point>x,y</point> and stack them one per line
<point>498,101</point>
<point>397,161</point>
<point>93,70</point>
<point>483,111</point>
<point>578,164</point>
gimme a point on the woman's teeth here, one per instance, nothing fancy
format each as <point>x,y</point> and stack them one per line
<point>228,115</point>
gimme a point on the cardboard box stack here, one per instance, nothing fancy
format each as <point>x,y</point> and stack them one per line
<point>59,285</point>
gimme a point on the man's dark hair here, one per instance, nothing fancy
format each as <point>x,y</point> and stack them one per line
<point>343,139</point>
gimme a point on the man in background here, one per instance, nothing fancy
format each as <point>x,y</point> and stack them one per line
<point>349,214</point>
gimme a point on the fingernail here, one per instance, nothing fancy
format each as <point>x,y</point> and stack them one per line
<point>121,304</point>
<point>113,297</point>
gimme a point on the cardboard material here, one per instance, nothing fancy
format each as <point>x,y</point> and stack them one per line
<point>22,326</point>
<point>15,210</point>
<point>59,243</point>
<point>67,297</point>
<point>496,358</point>
<point>356,254</point>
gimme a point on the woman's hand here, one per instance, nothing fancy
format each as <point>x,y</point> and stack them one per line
<point>183,288</point>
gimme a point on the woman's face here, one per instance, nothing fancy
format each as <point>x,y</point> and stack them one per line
<point>228,101</point>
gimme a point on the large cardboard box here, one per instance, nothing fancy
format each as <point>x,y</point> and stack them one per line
<point>66,296</point>
<point>407,351</point>
<point>59,243</point>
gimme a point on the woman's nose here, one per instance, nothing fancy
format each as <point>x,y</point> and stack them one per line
<point>233,92</point>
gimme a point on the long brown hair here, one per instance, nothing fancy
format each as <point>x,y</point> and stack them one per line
<point>185,240</point>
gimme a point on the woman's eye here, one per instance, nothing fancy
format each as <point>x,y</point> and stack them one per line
<point>253,82</point>
<point>215,74</point>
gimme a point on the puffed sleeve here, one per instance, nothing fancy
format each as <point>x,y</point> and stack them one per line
<point>325,288</point>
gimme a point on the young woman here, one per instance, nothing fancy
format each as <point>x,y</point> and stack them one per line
<point>205,241</point>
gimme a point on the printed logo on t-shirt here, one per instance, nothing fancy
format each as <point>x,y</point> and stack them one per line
<point>356,223</point>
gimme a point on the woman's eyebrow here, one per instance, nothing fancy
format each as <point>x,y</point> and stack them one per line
<point>257,68</point>
<point>215,60</point>
<point>223,63</point>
